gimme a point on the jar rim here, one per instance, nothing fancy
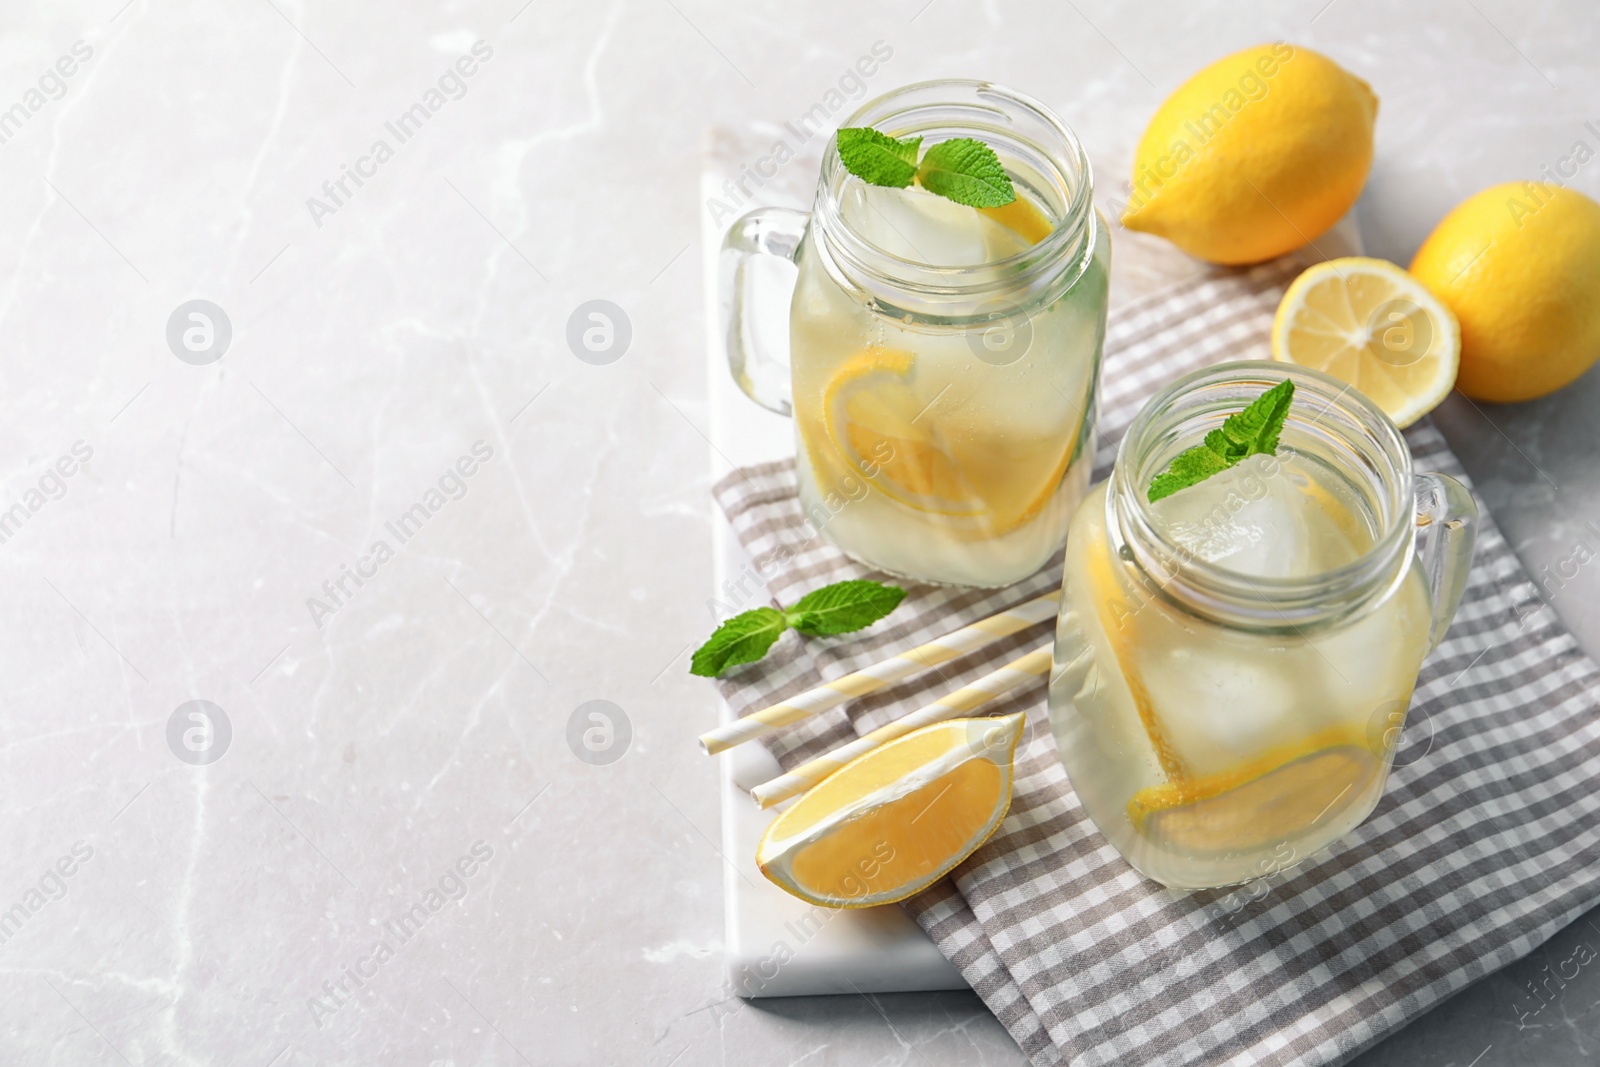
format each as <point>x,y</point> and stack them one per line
<point>920,106</point>
<point>1224,593</point>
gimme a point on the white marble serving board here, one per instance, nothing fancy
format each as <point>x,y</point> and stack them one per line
<point>776,945</point>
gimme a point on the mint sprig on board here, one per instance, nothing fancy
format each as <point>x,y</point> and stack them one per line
<point>961,169</point>
<point>840,608</point>
<point>1251,432</point>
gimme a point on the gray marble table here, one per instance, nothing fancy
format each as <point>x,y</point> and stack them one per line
<point>307,596</point>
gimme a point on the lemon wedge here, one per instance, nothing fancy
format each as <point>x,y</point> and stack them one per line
<point>892,822</point>
<point>1369,323</point>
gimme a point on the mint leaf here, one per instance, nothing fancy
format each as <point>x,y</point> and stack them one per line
<point>878,159</point>
<point>744,638</point>
<point>834,609</point>
<point>1188,468</point>
<point>1253,431</point>
<point>966,171</point>
<point>1256,428</point>
<point>842,607</point>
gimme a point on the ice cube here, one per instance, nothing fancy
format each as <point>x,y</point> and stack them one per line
<point>916,225</point>
<point>1251,524</point>
<point>1219,705</point>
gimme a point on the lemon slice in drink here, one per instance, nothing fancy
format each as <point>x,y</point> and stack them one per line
<point>1022,218</point>
<point>1369,323</point>
<point>957,461</point>
<point>871,416</point>
<point>895,820</point>
<point>1115,610</point>
<point>1274,797</point>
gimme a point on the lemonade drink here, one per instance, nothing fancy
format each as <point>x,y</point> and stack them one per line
<point>949,443</point>
<point>1233,662</point>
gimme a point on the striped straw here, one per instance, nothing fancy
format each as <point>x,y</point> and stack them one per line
<point>985,689</point>
<point>871,679</point>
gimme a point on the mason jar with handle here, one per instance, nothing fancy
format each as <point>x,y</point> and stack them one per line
<point>1234,662</point>
<point>943,360</point>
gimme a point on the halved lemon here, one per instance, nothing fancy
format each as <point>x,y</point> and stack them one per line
<point>892,822</point>
<point>1274,797</point>
<point>1369,323</point>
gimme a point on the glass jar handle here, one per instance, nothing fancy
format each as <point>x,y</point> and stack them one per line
<point>773,231</point>
<point>1447,527</point>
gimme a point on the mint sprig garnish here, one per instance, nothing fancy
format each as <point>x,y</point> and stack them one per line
<point>840,608</point>
<point>961,169</point>
<point>1253,431</point>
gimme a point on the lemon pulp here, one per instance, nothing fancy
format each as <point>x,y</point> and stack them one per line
<point>898,818</point>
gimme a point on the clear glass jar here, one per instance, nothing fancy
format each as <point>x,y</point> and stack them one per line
<point>1232,663</point>
<point>943,361</point>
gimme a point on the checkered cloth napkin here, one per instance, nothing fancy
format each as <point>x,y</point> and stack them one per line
<point>1486,842</point>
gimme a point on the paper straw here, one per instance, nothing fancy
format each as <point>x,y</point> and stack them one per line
<point>985,689</point>
<point>870,679</point>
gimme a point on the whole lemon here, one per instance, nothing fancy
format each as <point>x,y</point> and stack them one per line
<point>1519,264</point>
<point>1255,156</point>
